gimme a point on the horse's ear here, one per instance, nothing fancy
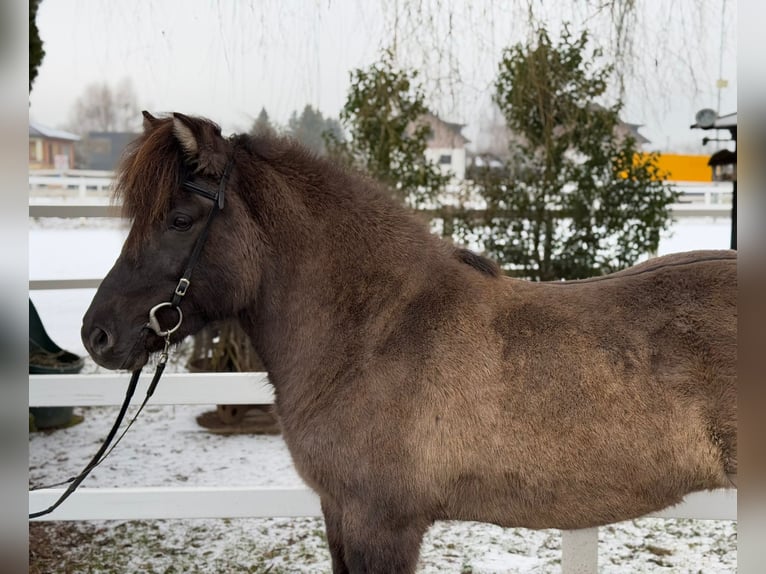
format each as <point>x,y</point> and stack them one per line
<point>201,141</point>
<point>149,121</point>
<point>184,128</point>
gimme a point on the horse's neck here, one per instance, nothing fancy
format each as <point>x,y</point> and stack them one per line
<point>333,282</point>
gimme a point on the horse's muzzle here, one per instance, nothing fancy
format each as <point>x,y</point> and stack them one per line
<point>105,349</point>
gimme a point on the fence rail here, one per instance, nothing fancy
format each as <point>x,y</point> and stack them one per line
<point>70,184</point>
<point>73,210</point>
<point>127,503</point>
<point>579,548</point>
<point>176,389</point>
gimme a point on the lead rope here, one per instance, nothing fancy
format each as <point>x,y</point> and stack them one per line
<point>102,453</point>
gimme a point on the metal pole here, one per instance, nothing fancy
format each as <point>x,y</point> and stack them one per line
<point>719,83</point>
<point>734,215</point>
<point>720,61</point>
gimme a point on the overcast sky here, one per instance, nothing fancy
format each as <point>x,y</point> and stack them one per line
<point>226,59</point>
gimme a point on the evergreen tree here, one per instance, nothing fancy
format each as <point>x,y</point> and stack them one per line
<point>36,51</point>
<point>262,124</point>
<point>577,198</point>
<point>382,113</point>
<point>312,129</point>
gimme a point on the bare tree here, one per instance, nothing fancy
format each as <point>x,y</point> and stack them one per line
<point>103,108</point>
<point>651,45</point>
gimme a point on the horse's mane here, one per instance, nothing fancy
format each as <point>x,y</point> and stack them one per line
<point>152,168</point>
<point>479,262</point>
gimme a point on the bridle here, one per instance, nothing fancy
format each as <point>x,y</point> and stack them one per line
<point>217,196</point>
<point>183,283</point>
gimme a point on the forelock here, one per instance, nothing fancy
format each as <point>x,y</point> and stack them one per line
<point>149,173</point>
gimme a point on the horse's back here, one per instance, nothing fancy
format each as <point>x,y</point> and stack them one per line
<point>672,317</point>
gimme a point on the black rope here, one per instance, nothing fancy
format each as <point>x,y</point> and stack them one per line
<point>103,453</point>
<point>97,458</point>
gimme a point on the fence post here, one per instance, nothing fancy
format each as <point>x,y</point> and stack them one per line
<point>579,551</point>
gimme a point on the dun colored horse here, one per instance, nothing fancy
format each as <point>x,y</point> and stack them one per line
<point>413,382</point>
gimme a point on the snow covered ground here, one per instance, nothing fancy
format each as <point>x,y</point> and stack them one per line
<point>166,447</point>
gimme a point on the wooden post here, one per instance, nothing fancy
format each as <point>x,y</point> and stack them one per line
<point>579,551</point>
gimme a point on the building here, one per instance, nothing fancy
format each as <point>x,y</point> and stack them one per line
<point>724,165</point>
<point>446,145</point>
<point>625,129</point>
<point>723,162</point>
<point>51,148</point>
<point>496,153</point>
<point>685,168</point>
<point>103,150</point>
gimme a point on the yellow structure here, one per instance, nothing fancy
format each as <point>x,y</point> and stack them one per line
<point>686,167</point>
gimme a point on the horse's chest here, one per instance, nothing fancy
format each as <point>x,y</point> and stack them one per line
<point>317,454</point>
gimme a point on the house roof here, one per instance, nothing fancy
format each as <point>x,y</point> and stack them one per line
<point>40,131</point>
<point>455,128</point>
<point>633,129</point>
<point>725,122</point>
<point>103,150</point>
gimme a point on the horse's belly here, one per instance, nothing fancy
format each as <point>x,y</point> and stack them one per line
<point>589,487</point>
<point>546,507</point>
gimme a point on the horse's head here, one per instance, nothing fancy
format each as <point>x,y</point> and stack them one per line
<point>170,182</point>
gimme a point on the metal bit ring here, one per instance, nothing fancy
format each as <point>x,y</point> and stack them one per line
<point>154,324</point>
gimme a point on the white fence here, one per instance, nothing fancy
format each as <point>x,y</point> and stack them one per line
<point>579,548</point>
<point>696,199</point>
<point>70,183</point>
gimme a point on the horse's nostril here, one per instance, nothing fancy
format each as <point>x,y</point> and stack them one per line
<point>99,340</point>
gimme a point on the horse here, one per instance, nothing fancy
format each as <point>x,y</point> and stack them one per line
<point>413,381</point>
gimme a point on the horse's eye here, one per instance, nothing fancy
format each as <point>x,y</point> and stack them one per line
<point>181,222</point>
